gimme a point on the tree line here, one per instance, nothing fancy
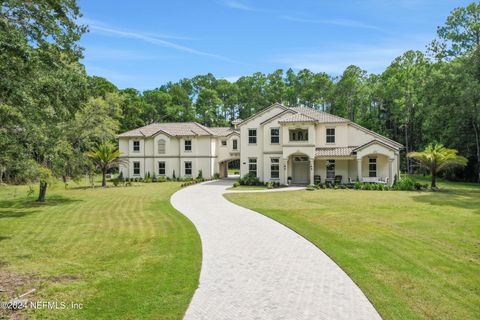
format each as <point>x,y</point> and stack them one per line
<point>52,112</point>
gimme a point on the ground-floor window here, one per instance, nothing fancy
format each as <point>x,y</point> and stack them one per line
<point>161,168</point>
<point>330,169</point>
<point>188,168</point>
<point>372,167</point>
<point>252,165</point>
<point>275,168</point>
<point>136,168</point>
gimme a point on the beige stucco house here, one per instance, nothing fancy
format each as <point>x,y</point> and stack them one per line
<point>289,145</point>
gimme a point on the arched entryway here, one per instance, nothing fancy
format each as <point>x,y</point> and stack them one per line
<point>300,169</point>
<point>230,168</point>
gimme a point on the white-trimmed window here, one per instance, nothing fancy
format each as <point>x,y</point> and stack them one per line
<point>274,135</point>
<point>372,167</point>
<point>136,168</point>
<point>188,145</point>
<point>330,169</point>
<point>188,168</point>
<point>161,168</point>
<point>235,144</point>
<point>330,135</point>
<point>274,168</point>
<point>252,165</point>
<point>161,146</point>
<point>136,146</point>
<point>224,143</point>
<point>252,136</point>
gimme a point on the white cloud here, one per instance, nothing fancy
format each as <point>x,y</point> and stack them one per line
<point>232,78</point>
<point>236,5</point>
<point>334,60</point>
<point>149,38</point>
<point>336,22</point>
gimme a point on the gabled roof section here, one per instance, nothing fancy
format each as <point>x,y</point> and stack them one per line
<point>288,110</point>
<point>171,129</point>
<point>275,105</point>
<point>223,131</point>
<point>298,117</point>
<point>378,137</point>
<point>376,141</point>
<point>320,116</point>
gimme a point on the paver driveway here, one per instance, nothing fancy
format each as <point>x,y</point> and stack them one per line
<point>256,268</point>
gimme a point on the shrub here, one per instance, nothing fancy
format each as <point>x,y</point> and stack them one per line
<point>200,175</point>
<point>115,182</point>
<point>128,184</point>
<point>161,179</point>
<point>250,179</point>
<point>120,177</point>
<point>310,187</point>
<point>154,177</point>
<point>173,175</point>
<point>216,176</point>
<point>236,184</point>
<point>406,184</point>
<point>357,185</point>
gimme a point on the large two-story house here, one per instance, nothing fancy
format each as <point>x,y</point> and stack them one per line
<point>290,145</point>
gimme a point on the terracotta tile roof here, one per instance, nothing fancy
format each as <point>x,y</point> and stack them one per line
<point>320,116</point>
<point>222,131</point>
<point>334,151</point>
<point>172,129</point>
<point>297,117</point>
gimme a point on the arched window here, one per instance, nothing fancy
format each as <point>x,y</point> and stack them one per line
<point>161,146</point>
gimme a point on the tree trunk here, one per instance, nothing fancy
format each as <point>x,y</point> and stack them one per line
<point>433,171</point>
<point>43,191</point>
<point>475,129</point>
<point>104,180</point>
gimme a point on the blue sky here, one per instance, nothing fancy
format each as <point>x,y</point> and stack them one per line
<point>146,43</point>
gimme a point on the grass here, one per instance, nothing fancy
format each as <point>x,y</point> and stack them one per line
<point>123,253</point>
<point>233,171</point>
<point>416,255</point>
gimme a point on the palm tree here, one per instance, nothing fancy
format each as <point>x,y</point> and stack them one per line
<point>437,158</point>
<point>105,156</point>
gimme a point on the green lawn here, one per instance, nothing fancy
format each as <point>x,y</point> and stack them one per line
<point>416,255</point>
<point>124,253</point>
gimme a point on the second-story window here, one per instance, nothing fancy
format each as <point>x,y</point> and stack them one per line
<point>136,146</point>
<point>161,146</point>
<point>274,135</point>
<point>298,135</point>
<point>224,143</point>
<point>234,144</point>
<point>252,136</point>
<point>330,135</point>
<point>188,145</point>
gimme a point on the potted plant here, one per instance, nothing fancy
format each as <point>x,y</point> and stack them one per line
<point>289,180</point>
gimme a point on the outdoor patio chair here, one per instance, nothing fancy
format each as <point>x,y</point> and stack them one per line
<point>338,179</point>
<point>317,179</point>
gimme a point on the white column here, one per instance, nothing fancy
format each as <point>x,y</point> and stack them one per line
<point>312,163</point>
<point>390,173</point>
<point>359,169</point>
<point>285,170</point>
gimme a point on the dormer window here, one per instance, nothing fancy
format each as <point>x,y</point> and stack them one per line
<point>136,146</point>
<point>330,135</point>
<point>234,144</point>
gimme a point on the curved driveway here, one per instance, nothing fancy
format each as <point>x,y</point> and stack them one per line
<point>256,268</point>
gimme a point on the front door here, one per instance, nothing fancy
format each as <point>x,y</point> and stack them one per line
<point>300,170</point>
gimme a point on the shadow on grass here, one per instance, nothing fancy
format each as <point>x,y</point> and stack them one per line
<point>460,198</point>
<point>17,208</point>
<point>1,239</point>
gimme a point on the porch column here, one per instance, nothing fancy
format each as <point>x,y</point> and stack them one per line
<point>359,169</point>
<point>312,163</point>
<point>285,170</point>
<point>390,173</point>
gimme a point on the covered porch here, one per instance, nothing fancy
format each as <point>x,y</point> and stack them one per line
<point>370,163</point>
